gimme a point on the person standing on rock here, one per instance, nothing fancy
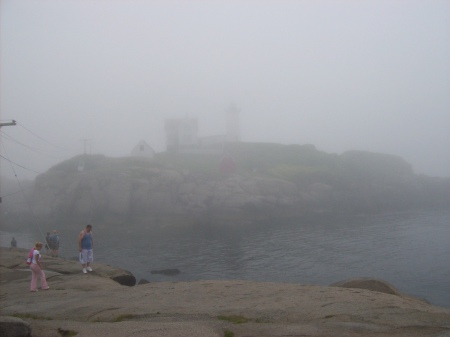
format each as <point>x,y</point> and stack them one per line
<point>54,243</point>
<point>13,242</point>
<point>37,272</point>
<point>86,246</point>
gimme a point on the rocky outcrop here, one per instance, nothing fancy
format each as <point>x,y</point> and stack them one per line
<point>14,327</point>
<point>271,181</point>
<point>126,279</point>
<point>369,284</point>
<point>95,305</point>
<point>12,265</point>
<point>143,281</point>
<point>152,195</point>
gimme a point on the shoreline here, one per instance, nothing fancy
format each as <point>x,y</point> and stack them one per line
<point>96,305</point>
<point>414,271</point>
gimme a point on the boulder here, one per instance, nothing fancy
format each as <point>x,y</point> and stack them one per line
<point>14,327</point>
<point>12,266</point>
<point>125,279</point>
<point>369,284</point>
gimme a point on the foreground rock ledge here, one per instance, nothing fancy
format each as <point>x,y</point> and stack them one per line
<point>96,305</point>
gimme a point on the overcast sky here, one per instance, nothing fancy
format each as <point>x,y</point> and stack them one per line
<point>342,75</point>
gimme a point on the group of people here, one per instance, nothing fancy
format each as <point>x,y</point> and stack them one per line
<point>85,247</point>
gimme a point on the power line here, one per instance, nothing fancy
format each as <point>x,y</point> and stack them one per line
<point>19,165</point>
<point>39,151</point>
<point>34,134</point>
<point>22,189</point>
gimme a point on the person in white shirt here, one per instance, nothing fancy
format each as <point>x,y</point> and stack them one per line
<point>37,271</point>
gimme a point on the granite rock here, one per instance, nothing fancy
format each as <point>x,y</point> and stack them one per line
<point>14,327</point>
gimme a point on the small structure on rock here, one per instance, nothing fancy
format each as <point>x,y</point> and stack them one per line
<point>142,149</point>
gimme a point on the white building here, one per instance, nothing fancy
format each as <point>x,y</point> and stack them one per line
<point>142,149</point>
<point>181,133</point>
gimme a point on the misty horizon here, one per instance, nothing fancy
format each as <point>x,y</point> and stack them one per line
<point>102,76</point>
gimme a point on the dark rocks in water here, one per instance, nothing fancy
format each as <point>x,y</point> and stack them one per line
<point>125,280</point>
<point>368,284</point>
<point>168,272</point>
<point>14,327</point>
<point>143,281</point>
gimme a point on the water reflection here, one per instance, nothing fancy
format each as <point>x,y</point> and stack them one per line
<point>409,250</point>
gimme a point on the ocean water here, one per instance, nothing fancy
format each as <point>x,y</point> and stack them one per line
<point>410,250</point>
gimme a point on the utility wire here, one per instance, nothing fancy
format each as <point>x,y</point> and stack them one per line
<point>34,134</point>
<point>9,138</point>
<point>19,165</point>
<point>23,191</point>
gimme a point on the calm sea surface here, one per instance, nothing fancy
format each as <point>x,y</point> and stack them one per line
<point>409,250</point>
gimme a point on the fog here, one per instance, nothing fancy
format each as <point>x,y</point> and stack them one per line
<point>99,76</point>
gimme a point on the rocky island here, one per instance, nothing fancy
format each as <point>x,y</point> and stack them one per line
<point>107,302</point>
<point>264,182</point>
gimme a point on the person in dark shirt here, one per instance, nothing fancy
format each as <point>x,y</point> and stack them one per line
<point>86,246</point>
<point>54,243</point>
